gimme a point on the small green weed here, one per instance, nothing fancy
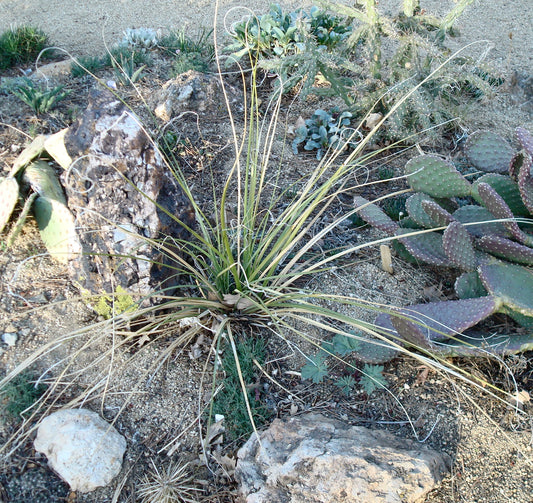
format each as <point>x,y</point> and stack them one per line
<point>230,401</point>
<point>86,64</point>
<point>40,99</point>
<point>21,394</point>
<point>186,61</point>
<point>189,53</point>
<point>21,45</point>
<point>316,369</point>
<point>124,53</point>
<point>108,306</point>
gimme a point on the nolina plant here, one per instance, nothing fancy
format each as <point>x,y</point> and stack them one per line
<point>240,271</point>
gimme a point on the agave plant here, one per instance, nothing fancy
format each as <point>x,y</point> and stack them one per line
<point>36,184</point>
<point>486,239</point>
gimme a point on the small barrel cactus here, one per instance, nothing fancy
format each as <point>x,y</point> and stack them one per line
<point>489,240</point>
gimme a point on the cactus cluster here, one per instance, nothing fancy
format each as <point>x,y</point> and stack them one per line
<point>489,240</point>
<point>34,183</point>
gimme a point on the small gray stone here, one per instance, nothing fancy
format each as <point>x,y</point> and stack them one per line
<point>82,448</point>
<point>10,338</point>
<point>314,459</point>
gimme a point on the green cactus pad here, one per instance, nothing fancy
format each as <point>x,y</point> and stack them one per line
<point>42,178</point>
<point>437,213</point>
<point>507,249</point>
<point>375,351</point>
<point>471,214</point>
<point>525,183</point>
<point>55,147</point>
<point>32,151</point>
<point>488,151</point>
<point>402,252</point>
<point>458,246</point>
<point>498,207</point>
<point>439,321</point>
<point>506,188</point>
<point>57,228</point>
<point>525,139</point>
<point>436,177</point>
<point>374,216</point>
<point>514,167</point>
<point>525,321</point>
<point>9,194</point>
<point>483,345</point>
<point>426,247</point>
<point>469,286</point>
<point>414,208</point>
<point>512,284</point>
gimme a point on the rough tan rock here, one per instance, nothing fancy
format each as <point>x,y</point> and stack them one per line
<point>314,459</point>
<point>193,92</point>
<point>57,70</point>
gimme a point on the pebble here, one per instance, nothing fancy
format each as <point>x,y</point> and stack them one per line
<point>10,338</point>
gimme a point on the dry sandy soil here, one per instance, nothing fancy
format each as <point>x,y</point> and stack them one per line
<point>491,448</point>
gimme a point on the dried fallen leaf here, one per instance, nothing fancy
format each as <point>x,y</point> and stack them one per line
<point>235,300</point>
<point>373,120</point>
<point>386,259</point>
<point>228,464</point>
<point>422,375</point>
<point>519,399</point>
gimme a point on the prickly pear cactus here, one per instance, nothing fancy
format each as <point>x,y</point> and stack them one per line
<point>436,177</point>
<point>57,228</point>
<point>488,151</point>
<point>491,243</point>
<point>9,194</point>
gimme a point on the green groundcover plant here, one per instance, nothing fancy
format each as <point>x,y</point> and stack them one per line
<point>21,44</point>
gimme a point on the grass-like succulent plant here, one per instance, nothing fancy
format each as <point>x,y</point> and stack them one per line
<point>488,240</point>
<point>40,99</point>
<point>189,52</point>
<point>35,184</point>
<point>172,483</point>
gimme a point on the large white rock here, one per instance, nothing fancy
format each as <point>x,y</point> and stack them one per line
<point>82,448</point>
<point>314,459</point>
